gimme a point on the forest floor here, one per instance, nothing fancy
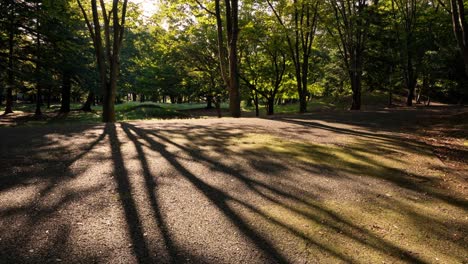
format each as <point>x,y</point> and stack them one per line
<point>381,186</point>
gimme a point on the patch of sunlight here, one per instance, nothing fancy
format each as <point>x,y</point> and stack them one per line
<point>377,233</point>
<point>358,157</point>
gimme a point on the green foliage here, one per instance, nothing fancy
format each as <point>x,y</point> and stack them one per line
<point>172,56</point>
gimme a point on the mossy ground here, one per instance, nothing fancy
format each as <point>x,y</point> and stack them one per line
<point>394,215</point>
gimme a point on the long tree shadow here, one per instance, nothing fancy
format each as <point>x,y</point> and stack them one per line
<point>220,197</point>
<point>139,244</point>
<point>150,188</point>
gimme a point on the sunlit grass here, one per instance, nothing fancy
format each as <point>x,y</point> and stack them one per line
<point>398,222</point>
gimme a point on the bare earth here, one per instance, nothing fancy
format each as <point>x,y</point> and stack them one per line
<point>366,187</point>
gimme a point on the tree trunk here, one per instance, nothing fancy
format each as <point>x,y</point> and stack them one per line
<point>38,69</point>
<point>355,75</point>
<point>410,81</point>
<point>134,97</point>
<point>209,102</point>
<point>66,92</point>
<point>89,101</point>
<point>108,112</point>
<point>460,29</point>
<point>270,105</point>
<point>49,96</point>
<point>234,93</point>
<point>257,110</point>
<point>38,111</point>
<point>11,80</point>
<point>217,103</point>
<point>304,82</point>
<point>356,89</point>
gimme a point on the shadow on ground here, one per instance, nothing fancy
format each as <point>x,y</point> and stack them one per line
<point>324,188</point>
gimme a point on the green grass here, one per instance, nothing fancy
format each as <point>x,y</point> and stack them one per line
<point>150,110</point>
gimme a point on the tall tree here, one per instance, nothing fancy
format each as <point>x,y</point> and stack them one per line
<point>107,44</point>
<point>300,38</point>
<point>352,20</point>
<point>407,11</point>
<point>460,28</point>
<point>228,29</point>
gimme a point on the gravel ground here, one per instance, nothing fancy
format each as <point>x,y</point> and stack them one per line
<point>336,187</point>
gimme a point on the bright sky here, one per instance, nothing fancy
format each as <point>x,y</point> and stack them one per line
<point>149,7</point>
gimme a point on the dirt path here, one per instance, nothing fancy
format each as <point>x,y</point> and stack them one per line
<point>319,188</point>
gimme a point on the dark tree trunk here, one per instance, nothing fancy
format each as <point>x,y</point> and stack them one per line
<point>230,79</point>
<point>257,110</point>
<point>38,70</point>
<point>209,102</point>
<point>411,84</point>
<point>411,81</point>
<point>134,97</point>
<point>304,82</point>
<point>38,111</point>
<point>356,88</point>
<point>66,92</point>
<point>49,96</point>
<point>355,76</point>
<point>460,29</point>
<point>89,101</point>
<point>217,103</point>
<point>270,105</point>
<point>234,92</point>
<point>10,78</point>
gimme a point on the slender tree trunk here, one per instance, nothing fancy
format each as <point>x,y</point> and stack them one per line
<point>134,97</point>
<point>390,87</point>
<point>38,111</point>
<point>38,69</point>
<point>66,92</point>
<point>410,81</point>
<point>356,89</point>
<point>257,110</point>
<point>49,96</point>
<point>10,78</point>
<point>304,82</point>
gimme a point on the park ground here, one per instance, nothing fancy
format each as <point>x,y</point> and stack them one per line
<point>376,186</point>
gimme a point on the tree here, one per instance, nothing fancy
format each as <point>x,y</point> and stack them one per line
<point>107,45</point>
<point>300,38</point>
<point>352,20</point>
<point>460,28</point>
